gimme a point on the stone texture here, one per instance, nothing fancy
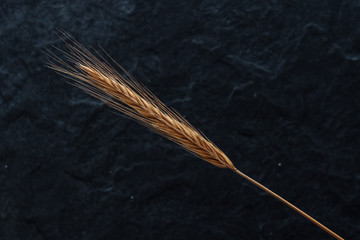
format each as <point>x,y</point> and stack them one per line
<point>275,84</point>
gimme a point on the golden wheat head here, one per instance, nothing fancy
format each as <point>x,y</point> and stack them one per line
<point>121,92</point>
<point>93,74</point>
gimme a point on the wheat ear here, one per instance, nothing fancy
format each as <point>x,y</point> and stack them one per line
<point>122,92</point>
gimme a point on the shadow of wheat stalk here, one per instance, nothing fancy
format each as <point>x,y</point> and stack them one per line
<point>94,75</point>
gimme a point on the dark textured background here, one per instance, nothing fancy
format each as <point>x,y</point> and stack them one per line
<point>275,84</point>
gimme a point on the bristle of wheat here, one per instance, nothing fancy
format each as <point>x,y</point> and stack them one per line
<point>120,91</point>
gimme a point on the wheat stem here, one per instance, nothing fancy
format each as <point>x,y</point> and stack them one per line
<point>121,92</point>
<point>311,219</point>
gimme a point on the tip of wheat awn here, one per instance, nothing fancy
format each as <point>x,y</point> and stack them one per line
<point>95,76</point>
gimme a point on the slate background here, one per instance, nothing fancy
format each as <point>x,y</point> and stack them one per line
<point>275,84</point>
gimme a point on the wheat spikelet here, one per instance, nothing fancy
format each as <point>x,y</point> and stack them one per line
<point>120,91</point>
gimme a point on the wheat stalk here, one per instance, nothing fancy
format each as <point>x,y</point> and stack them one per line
<point>122,92</point>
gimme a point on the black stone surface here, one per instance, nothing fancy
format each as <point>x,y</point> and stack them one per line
<point>275,84</point>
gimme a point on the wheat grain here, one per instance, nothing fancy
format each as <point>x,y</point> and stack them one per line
<point>120,91</point>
